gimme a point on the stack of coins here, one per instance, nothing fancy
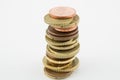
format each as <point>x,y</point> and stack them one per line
<point>62,38</point>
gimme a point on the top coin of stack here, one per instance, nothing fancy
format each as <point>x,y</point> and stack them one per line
<point>63,19</point>
<point>62,12</point>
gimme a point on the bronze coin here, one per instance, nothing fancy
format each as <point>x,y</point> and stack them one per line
<point>62,12</point>
<point>56,75</point>
<point>54,32</point>
<point>66,29</point>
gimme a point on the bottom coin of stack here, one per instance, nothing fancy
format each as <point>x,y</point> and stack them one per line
<point>62,38</point>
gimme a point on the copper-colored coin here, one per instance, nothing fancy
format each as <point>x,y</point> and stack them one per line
<point>62,12</point>
<point>56,75</point>
<point>66,29</point>
<point>54,32</point>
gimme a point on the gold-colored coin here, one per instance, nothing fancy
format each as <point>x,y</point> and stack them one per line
<point>63,54</point>
<point>59,61</point>
<point>64,47</point>
<point>56,75</point>
<point>63,68</point>
<point>59,43</point>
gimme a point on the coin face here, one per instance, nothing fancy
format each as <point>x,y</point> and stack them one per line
<point>62,12</point>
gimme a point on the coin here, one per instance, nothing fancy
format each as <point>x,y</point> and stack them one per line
<point>59,61</point>
<point>74,22</point>
<point>59,43</point>
<point>56,75</point>
<point>71,66</point>
<point>63,54</point>
<point>52,21</point>
<point>54,32</point>
<point>62,12</point>
<point>62,38</point>
<point>66,29</point>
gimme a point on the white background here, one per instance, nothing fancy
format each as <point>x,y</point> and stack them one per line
<point>22,43</point>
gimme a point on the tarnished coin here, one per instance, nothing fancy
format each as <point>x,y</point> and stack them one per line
<point>62,12</point>
<point>56,75</point>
